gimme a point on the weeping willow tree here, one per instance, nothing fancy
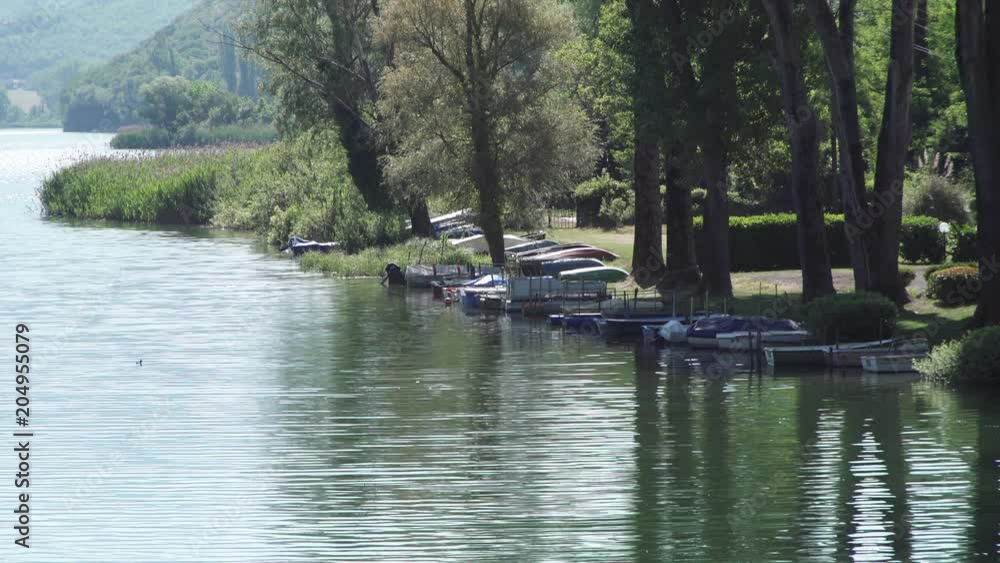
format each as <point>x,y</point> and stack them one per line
<point>476,100</point>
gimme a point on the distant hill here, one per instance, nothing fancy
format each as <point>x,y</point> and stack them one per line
<point>107,97</point>
<point>36,35</point>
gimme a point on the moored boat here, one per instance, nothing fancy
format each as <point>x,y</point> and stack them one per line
<point>890,363</point>
<point>479,245</point>
<point>581,252</point>
<point>747,340</point>
<point>704,333</point>
<point>852,359</point>
<point>557,267</point>
<point>605,274</point>
<point>815,356</point>
<point>529,246</point>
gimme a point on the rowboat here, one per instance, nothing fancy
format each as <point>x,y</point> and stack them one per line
<point>471,296</point>
<point>605,274</point>
<point>529,246</point>
<point>557,267</point>
<point>786,356</point>
<point>705,333</point>
<point>479,245</point>
<point>531,254</point>
<point>746,340</point>
<point>581,252</point>
<point>851,359</point>
<point>891,363</point>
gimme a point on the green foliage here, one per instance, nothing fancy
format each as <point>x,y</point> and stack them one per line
<point>906,277</point>
<point>921,241</point>
<point>604,202</point>
<point>195,136</point>
<point>933,269</point>
<point>371,261</point>
<point>299,187</point>
<point>107,97</point>
<point>954,286</point>
<point>937,196</point>
<point>962,241</point>
<point>972,360</point>
<point>852,317</point>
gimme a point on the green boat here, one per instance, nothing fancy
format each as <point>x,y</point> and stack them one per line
<point>605,274</point>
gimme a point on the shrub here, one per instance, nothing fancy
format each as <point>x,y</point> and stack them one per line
<point>921,241</point>
<point>698,197</point>
<point>936,196</point>
<point>954,286</point>
<point>973,360</point>
<point>604,202</point>
<point>852,317</point>
<point>962,243</point>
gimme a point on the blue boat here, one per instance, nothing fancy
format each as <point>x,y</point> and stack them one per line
<point>581,321</point>
<point>704,332</point>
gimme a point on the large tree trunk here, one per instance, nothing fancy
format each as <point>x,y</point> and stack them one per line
<point>682,263</point>
<point>978,51</point>
<point>487,182</point>
<point>803,137</point>
<point>715,262</point>
<point>648,92</point>
<point>363,155</point>
<point>420,218</point>
<point>839,53</point>
<point>647,252</point>
<point>893,151</point>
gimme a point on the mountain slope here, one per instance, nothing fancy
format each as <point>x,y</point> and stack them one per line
<point>107,97</point>
<point>38,35</point>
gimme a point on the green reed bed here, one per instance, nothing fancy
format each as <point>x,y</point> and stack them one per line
<point>195,136</point>
<point>371,262</point>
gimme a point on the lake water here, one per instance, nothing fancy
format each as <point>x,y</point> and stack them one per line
<point>279,416</point>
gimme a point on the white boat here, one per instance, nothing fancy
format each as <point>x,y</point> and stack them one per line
<point>674,332</point>
<point>478,244</point>
<point>851,358</point>
<point>892,363</point>
<point>757,340</point>
<point>785,356</point>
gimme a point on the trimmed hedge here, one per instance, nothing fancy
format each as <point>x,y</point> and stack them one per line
<point>921,241</point>
<point>770,242</point>
<point>852,317</point>
<point>975,360</point>
<point>962,243</point>
<point>954,286</point>
<point>604,202</point>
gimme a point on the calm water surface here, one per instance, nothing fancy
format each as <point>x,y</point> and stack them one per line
<point>287,417</point>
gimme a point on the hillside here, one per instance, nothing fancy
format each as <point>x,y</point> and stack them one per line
<point>36,36</point>
<point>107,97</point>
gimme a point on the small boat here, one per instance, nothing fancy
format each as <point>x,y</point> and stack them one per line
<point>746,340</point>
<point>299,246</point>
<point>631,325</point>
<point>479,245</point>
<point>786,356</point>
<point>705,333</point>
<point>471,297</point>
<point>425,276</point>
<point>890,363</point>
<point>581,252</point>
<point>529,246</point>
<point>605,274</point>
<point>674,332</point>
<point>557,267</point>
<point>531,254</point>
<point>581,322</point>
<point>851,359</point>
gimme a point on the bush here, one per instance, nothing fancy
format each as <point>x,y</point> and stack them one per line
<point>921,241</point>
<point>604,202</point>
<point>954,286</point>
<point>195,136</point>
<point>962,243</point>
<point>939,197</point>
<point>852,317</point>
<point>770,242</point>
<point>973,360</point>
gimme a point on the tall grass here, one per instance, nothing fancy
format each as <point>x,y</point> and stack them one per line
<point>371,262</point>
<point>195,136</point>
<point>299,187</point>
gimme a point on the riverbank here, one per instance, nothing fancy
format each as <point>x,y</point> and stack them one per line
<point>300,187</point>
<point>147,138</point>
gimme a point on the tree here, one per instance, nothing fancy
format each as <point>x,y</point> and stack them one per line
<point>872,220</point>
<point>474,100</point>
<point>648,97</point>
<point>978,53</point>
<point>803,141</point>
<point>5,106</point>
<point>227,60</point>
<point>324,66</point>
<point>248,79</point>
<point>165,100</point>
